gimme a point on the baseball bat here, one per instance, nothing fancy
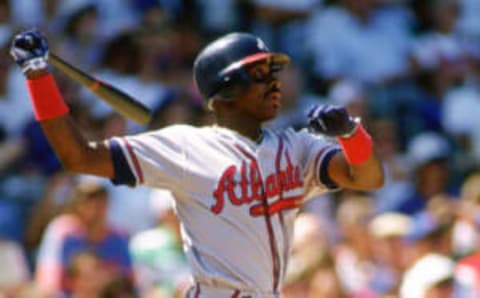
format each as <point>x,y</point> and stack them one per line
<point>121,102</point>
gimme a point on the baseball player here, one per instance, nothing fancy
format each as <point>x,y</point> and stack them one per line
<point>237,187</point>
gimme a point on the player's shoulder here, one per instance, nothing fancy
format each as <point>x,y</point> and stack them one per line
<point>296,136</point>
<point>174,130</point>
<point>289,133</point>
<point>180,128</point>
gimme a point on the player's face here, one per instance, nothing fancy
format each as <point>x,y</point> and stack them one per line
<point>262,98</point>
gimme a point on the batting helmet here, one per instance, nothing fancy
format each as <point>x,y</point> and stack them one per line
<point>219,68</point>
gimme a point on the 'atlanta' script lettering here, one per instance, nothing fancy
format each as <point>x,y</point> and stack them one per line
<point>249,187</point>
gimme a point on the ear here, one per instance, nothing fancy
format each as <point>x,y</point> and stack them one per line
<point>215,102</point>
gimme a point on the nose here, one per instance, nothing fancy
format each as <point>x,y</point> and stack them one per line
<point>274,83</point>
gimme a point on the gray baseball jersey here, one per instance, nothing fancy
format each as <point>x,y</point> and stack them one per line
<point>236,199</point>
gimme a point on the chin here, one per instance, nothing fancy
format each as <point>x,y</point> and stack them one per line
<point>269,116</point>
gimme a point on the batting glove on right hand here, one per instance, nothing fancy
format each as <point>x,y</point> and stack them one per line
<point>29,49</point>
<point>332,121</point>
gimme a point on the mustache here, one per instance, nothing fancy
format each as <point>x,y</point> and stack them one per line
<point>271,90</point>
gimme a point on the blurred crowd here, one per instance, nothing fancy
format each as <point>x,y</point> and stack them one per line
<point>409,68</point>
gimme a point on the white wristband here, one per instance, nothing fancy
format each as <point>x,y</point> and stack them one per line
<point>34,64</point>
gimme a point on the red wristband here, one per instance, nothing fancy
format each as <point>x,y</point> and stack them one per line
<point>357,148</point>
<point>46,99</point>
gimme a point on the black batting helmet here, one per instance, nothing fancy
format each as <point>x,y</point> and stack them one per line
<point>219,68</point>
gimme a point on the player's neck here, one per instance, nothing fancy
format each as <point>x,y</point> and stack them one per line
<point>249,129</point>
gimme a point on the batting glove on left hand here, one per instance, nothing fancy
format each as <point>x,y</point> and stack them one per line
<point>29,49</point>
<point>332,121</point>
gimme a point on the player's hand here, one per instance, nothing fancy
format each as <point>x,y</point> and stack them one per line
<point>332,121</point>
<point>29,49</point>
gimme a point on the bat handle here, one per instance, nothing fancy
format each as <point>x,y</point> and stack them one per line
<point>118,100</point>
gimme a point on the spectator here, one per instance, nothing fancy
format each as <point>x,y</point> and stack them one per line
<point>343,39</point>
<point>439,62</point>
<point>82,44</point>
<point>308,253</point>
<point>466,238</point>
<point>325,282</point>
<point>465,233</point>
<point>429,267</point>
<point>388,231</point>
<point>159,262</point>
<point>460,101</point>
<point>428,154</point>
<point>83,228</point>
<point>14,271</point>
<point>119,287</point>
<point>85,275</point>
<point>51,203</point>
<point>397,178</point>
<point>353,254</point>
<point>431,277</point>
<point>282,23</point>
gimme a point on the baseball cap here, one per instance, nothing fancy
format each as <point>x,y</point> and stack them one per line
<point>428,272</point>
<point>426,147</point>
<point>390,224</point>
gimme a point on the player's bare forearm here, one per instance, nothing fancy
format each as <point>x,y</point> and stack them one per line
<point>74,151</point>
<point>356,166</point>
<point>365,176</point>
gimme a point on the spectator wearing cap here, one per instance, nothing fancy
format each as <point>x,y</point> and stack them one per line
<point>353,254</point>
<point>309,253</point>
<point>159,262</point>
<point>428,155</point>
<point>397,179</point>
<point>387,232</point>
<point>429,268</point>
<point>466,238</point>
<point>430,277</point>
<point>82,228</point>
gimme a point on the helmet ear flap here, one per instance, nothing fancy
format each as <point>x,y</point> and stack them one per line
<point>234,84</point>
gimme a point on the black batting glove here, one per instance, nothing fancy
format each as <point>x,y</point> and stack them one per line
<point>29,49</point>
<point>332,121</point>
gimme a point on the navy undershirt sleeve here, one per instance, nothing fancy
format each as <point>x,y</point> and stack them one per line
<point>123,175</point>
<point>324,177</point>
